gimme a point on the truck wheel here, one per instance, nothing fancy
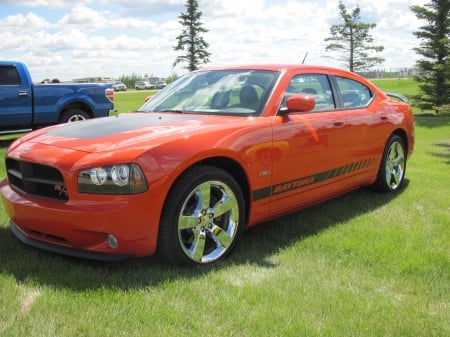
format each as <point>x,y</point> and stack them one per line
<point>73,115</point>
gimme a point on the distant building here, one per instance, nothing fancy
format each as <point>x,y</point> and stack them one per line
<point>98,79</point>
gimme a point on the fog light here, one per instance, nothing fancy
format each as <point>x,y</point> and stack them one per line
<point>112,241</point>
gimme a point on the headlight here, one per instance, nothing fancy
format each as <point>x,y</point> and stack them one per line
<point>115,179</point>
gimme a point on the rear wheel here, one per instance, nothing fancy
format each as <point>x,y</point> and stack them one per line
<point>73,115</point>
<point>202,219</point>
<point>393,165</point>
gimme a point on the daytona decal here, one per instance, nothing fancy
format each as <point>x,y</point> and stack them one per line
<point>301,182</point>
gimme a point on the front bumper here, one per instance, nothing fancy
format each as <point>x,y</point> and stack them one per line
<point>90,255</point>
<point>83,228</point>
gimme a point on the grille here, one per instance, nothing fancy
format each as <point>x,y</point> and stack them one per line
<point>35,179</point>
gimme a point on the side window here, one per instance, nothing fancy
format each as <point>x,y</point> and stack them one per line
<point>353,94</point>
<point>316,85</point>
<point>9,76</point>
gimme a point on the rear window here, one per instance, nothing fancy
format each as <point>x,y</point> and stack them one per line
<point>353,94</point>
<point>9,75</point>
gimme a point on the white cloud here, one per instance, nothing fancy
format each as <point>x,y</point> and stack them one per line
<point>23,21</point>
<point>85,17</point>
<point>50,4</point>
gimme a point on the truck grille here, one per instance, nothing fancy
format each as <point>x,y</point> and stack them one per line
<point>35,179</point>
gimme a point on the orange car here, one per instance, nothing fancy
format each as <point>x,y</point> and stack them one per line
<point>215,152</point>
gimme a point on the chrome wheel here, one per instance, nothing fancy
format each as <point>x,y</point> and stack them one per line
<point>203,216</point>
<point>208,221</point>
<point>395,165</point>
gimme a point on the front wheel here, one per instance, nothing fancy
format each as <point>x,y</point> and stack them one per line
<point>73,115</point>
<point>203,217</point>
<point>393,165</point>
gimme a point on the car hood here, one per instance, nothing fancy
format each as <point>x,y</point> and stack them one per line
<point>128,130</point>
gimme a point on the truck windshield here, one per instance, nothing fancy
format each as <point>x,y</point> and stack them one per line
<point>219,92</point>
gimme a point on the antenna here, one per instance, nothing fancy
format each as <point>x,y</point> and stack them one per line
<point>304,58</point>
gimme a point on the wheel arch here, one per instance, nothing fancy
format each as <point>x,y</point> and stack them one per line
<point>236,171</point>
<point>402,134</point>
<point>77,105</point>
<point>232,167</point>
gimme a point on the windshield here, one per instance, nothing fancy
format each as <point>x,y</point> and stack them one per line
<point>228,92</point>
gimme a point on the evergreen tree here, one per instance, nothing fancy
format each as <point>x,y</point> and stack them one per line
<point>353,40</point>
<point>434,83</point>
<point>190,40</point>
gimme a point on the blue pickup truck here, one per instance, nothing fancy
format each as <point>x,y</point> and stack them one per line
<point>25,106</point>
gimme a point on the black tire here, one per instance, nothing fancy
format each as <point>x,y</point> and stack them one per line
<point>73,115</point>
<point>391,173</point>
<point>203,217</point>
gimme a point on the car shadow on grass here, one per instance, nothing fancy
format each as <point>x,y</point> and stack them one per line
<point>288,230</point>
<point>256,246</point>
<point>442,151</point>
<point>430,121</point>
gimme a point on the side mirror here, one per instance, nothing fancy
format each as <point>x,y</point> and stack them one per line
<point>299,103</point>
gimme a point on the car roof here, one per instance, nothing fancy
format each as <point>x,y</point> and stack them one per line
<point>275,67</point>
<point>283,67</point>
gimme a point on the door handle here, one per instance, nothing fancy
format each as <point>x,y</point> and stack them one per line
<point>338,123</point>
<point>23,93</point>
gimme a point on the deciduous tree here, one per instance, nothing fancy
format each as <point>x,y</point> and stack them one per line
<point>190,41</point>
<point>434,81</point>
<point>352,39</point>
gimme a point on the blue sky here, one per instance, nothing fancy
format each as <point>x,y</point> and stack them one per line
<point>67,39</point>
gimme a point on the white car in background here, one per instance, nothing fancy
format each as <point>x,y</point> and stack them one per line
<point>119,86</point>
<point>142,85</point>
<point>161,84</point>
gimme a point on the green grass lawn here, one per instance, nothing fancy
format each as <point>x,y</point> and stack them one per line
<point>364,264</point>
<point>131,100</point>
<point>405,86</point>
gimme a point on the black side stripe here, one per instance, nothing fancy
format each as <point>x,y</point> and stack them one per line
<point>302,182</point>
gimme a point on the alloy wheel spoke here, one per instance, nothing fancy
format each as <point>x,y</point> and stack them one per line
<point>198,246</point>
<point>187,221</point>
<point>204,195</point>
<point>221,237</point>
<point>226,204</point>
<point>399,160</point>
<point>396,177</point>
<point>393,152</point>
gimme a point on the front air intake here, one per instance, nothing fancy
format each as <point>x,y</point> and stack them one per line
<point>35,179</point>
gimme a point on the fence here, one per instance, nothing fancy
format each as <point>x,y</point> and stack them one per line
<point>390,73</point>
